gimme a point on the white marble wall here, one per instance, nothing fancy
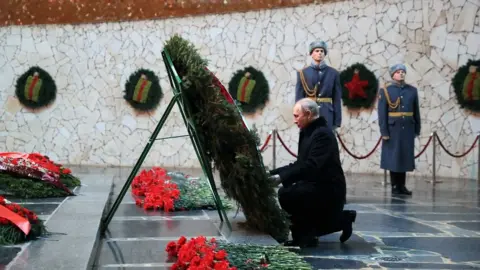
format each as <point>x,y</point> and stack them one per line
<point>90,123</point>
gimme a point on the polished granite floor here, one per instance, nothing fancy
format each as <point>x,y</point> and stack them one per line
<point>436,228</point>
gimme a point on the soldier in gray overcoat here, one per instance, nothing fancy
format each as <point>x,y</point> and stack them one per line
<point>399,120</point>
<point>321,83</point>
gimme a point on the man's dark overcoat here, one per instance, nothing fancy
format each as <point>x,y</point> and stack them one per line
<point>315,183</point>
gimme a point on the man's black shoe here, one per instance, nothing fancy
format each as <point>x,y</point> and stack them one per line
<point>349,218</point>
<point>311,242</point>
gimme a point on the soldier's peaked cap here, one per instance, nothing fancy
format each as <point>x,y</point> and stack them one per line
<point>318,44</point>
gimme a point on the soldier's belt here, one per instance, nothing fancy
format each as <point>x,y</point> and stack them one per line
<point>324,100</point>
<point>400,114</point>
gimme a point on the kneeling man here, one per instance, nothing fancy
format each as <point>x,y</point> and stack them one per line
<point>314,189</point>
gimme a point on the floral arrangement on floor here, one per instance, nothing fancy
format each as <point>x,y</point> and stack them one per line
<point>34,176</point>
<point>172,191</point>
<point>200,253</point>
<point>18,224</point>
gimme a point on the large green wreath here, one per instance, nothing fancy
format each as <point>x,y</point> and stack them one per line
<point>35,88</point>
<point>467,85</point>
<point>231,147</point>
<point>143,91</point>
<point>369,86</point>
<point>250,88</point>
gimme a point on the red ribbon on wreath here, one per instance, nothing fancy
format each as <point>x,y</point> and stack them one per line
<point>225,93</point>
<point>17,215</point>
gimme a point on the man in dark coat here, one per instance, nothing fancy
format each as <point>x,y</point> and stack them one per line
<point>399,120</point>
<point>314,189</point>
<point>321,83</point>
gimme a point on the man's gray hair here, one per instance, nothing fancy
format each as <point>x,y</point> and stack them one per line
<point>309,105</point>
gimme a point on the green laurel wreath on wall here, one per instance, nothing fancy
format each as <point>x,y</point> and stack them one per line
<point>464,80</point>
<point>35,88</point>
<point>143,91</point>
<point>250,89</point>
<point>370,90</point>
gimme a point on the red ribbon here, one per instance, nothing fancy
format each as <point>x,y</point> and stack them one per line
<point>140,91</point>
<point>470,86</point>
<point>244,88</point>
<point>19,221</point>
<point>30,89</point>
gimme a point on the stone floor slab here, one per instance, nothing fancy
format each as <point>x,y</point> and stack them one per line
<point>408,265</point>
<point>374,200</point>
<point>472,226</point>
<point>430,208</point>
<point>374,222</point>
<point>41,208</point>
<point>445,217</point>
<point>7,254</point>
<point>133,252</point>
<point>164,228</point>
<point>330,245</point>
<point>133,210</point>
<point>457,249</point>
<point>326,263</point>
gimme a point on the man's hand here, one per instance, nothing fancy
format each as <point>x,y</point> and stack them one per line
<point>386,138</point>
<point>275,179</point>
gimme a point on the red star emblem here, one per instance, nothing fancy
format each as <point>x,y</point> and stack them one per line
<point>355,87</point>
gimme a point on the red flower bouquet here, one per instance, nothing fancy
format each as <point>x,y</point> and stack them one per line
<point>14,227</point>
<point>156,188</point>
<point>198,254</point>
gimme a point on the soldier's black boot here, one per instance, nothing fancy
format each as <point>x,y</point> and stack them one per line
<point>394,181</point>
<point>402,188</point>
<point>349,217</point>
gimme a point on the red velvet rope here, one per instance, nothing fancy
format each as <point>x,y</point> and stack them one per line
<point>477,140</point>
<point>454,155</point>
<point>359,157</point>
<point>265,144</point>
<point>285,146</point>
<point>424,147</point>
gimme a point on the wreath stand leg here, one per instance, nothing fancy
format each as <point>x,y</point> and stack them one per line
<point>185,110</point>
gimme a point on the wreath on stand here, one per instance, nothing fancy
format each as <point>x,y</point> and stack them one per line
<point>231,147</point>
<point>359,87</point>
<point>35,88</point>
<point>250,89</point>
<point>143,91</point>
<point>466,84</point>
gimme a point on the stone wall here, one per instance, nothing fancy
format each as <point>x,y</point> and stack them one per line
<point>90,123</point>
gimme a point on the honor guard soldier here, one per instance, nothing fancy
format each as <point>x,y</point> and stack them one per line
<point>321,83</point>
<point>399,120</point>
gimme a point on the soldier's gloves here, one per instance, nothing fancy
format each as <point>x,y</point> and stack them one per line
<point>386,138</point>
<point>275,179</point>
